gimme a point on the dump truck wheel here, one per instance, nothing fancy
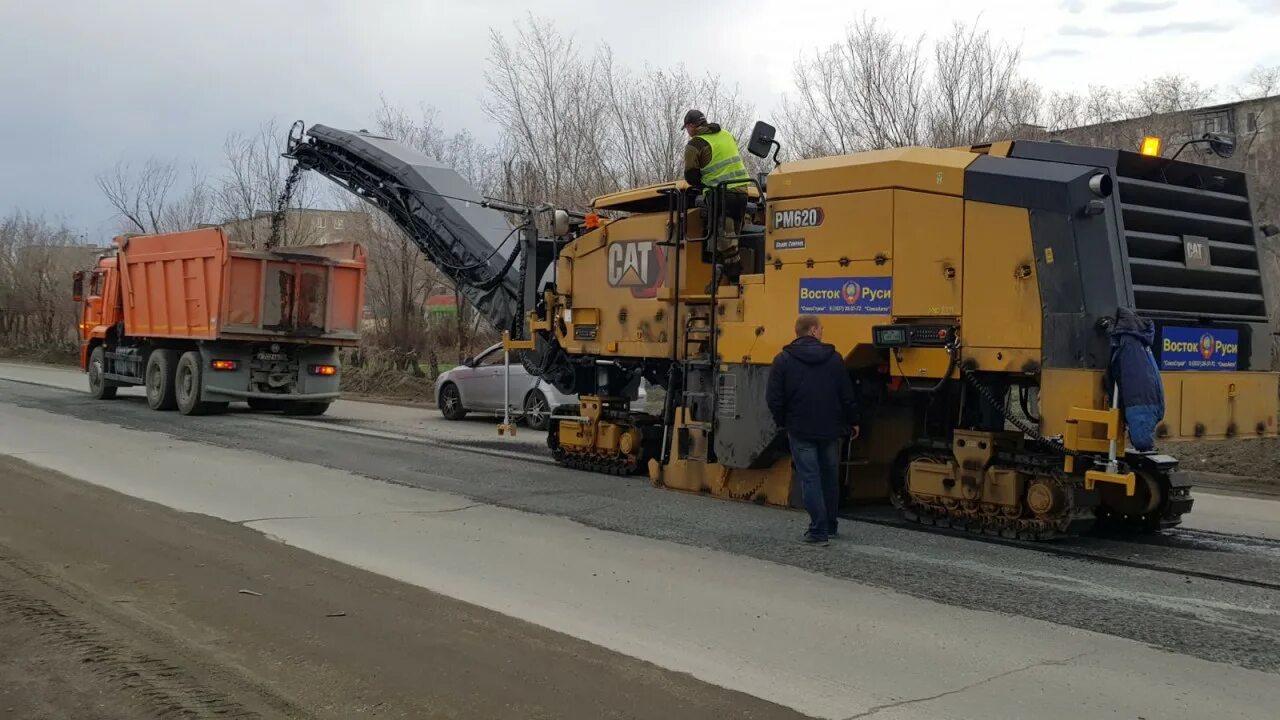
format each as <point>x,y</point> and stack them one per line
<point>451,403</point>
<point>189,382</point>
<point>161,367</point>
<point>265,405</point>
<point>306,408</point>
<point>99,386</point>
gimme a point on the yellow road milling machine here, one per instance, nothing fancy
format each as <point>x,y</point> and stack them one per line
<point>972,291</point>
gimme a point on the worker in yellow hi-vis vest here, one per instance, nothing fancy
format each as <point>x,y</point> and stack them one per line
<point>711,160</point>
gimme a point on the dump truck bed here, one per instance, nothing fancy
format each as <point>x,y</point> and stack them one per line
<point>195,285</point>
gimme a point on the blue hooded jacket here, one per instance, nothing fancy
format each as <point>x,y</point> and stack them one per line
<point>809,392</point>
<point>1134,367</point>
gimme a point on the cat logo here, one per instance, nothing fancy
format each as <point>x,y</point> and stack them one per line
<point>805,217</point>
<point>637,264</point>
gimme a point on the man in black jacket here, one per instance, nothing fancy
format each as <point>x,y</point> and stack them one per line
<point>811,396</point>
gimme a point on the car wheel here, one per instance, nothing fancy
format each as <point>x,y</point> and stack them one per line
<point>99,386</point>
<point>190,383</point>
<point>160,379</point>
<point>537,411</point>
<point>451,403</point>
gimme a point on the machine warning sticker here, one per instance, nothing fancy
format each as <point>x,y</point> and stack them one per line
<point>789,244</point>
<point>846,296</point>
<point>1184,348</point>
<point>727,395</point>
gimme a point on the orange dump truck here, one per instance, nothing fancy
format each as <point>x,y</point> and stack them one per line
<point>202,323</point>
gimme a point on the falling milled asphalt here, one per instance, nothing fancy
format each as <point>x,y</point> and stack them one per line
<point>1156,591</point>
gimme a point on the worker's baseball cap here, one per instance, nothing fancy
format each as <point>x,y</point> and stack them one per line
<point>694,117</point>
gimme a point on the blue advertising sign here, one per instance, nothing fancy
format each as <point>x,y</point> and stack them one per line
<point>846,296</point>
<point>1183,348</point>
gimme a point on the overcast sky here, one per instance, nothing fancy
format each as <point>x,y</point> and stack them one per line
<point>84,83</point>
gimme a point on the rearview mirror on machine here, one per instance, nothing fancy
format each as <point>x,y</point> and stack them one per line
<point>761,139</point>
<point>560,223</point>
<point>77,286</point>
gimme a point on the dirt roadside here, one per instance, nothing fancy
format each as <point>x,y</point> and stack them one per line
<point>111,607</point>
<point>1247,465</point>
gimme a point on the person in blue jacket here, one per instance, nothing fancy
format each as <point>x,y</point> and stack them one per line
<point>810,395</point>
<point>1134,367</point>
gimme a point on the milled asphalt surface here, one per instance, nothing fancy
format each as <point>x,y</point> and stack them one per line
<point>1236,623</point>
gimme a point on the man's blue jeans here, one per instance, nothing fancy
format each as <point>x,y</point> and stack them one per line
<point>818,470</point>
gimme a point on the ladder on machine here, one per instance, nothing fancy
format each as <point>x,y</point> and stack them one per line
<point>699,342</point>
<point>696,351</point>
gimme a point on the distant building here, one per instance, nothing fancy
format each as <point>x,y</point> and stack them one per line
<point>306,226</point>
<point>446,304</point>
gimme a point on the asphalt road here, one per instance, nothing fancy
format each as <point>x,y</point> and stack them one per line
<point>890,621</point>
<point>143,611</point>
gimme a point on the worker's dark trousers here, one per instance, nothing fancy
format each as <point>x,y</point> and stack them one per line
<point>817,465</point>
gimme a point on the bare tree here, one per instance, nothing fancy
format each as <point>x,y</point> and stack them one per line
<point>399,281</point>
<point>1166,94</point>
<point>975,84</point>
<point>1260,82</point>
<point>1103,105</point>
<point>37,258</point>
<point>577,125</point>
<point>875,89</point>
<point>151,199</point>
<point>643,142</point>
<point>540,94</point>
<point>864,92</point>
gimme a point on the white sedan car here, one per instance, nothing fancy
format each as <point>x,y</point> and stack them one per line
<point>477,386</point>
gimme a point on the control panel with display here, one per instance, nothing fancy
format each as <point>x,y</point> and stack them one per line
<point>900,336</point>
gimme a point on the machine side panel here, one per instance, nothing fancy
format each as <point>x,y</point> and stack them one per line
<point>853,226</point>
<point>928,236</point>
<point>616,290</point>
<point>1220,404</point>
<point>1001,297</point>
<point>1075,249</point>
<point>1081,283</point>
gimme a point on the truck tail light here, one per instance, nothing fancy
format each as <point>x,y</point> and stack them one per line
<point>223,364</point>
<point>324,369</point>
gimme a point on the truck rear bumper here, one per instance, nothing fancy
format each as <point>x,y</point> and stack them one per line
<point>239,383</point>
<point>210,390</point>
